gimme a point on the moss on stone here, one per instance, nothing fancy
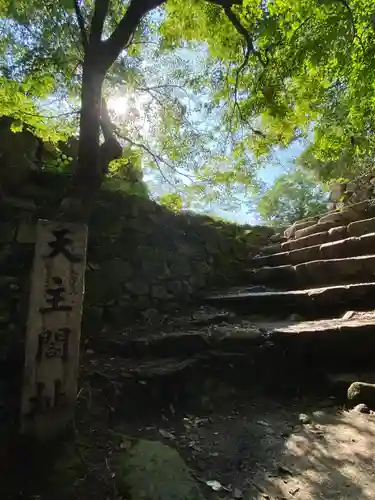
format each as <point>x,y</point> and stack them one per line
<point>151,470</point>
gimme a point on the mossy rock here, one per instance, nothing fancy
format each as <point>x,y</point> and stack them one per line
<point>361,392</point>
<point>151,470</point>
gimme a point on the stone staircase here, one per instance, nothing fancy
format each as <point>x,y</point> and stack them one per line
<point>316,285</point>
<point>305,319</point>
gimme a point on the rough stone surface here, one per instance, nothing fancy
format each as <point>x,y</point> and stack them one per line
<point>335,271</point>
<point>361,393</point>
<point>290,232</point>
<point>349,247</point>
<point>335,217</point>
<point>337,233</point>
<point>307,241</point>
<point>361,227</point>
<point>151,470</point>
<point>311,303</point>
<point>355,191</point>
<point>141,257</point>
<point>316,228</point>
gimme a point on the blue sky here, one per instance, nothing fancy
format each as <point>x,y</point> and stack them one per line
<point>285,158</point>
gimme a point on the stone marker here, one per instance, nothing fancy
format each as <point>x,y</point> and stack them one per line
<point>53,329</point>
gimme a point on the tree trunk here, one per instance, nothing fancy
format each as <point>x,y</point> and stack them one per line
<point>87,176</point>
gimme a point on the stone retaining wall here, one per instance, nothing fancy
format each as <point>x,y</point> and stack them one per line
<point>353,191</point>
<point>142,258</point>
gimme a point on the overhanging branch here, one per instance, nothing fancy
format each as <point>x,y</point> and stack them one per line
<point>130,21</point>
<point>98,18</point>
<point>250,49</point>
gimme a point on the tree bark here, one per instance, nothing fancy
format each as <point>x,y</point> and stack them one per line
<point>87,176</point>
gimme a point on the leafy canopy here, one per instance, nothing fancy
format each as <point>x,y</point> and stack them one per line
<point>170,121</point>
<point>211,86</point>
<point>310,74</point>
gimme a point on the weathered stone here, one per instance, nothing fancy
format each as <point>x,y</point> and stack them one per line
<point>151,470</point>
<point>292,257</point>
<point>336,271</point>
<point>335,217</point>
<point>361,392</point>
<point>356,211</point>
<point>131,254</point>
<point>290,232</point>
<point>361,227</point>
<point>308,241</point>
<point>269,249</point>
<point>314,229</point>
<point>337,233</point>
<point>349,247</point>
<point>337,249</point>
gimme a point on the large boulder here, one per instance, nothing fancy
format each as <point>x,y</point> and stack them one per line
<point>151,470</point>
<point>361,392</point>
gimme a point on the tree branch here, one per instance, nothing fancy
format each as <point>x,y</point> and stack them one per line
<point>250,49</point>
<point>154,156</point>
<point>97,23</point>
<point>127,26</point>
<point>81,24</point>
<point>345,4</point>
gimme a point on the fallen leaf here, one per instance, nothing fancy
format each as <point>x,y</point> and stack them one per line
<point>294,491</point>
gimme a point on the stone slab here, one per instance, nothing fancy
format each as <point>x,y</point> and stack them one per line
<point>361,227</point>
<point>307,241</point>
<point>337,233</point>
<point>310,302</point>
<point>285,258</point>
<point>290,232</point>
<point>316,228</point>
<point>284,276</point>
<point>348,247</point>
<point>336,271</point>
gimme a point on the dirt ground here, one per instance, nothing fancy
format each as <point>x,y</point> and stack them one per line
<point>246,447</point>
<point>263,450</point>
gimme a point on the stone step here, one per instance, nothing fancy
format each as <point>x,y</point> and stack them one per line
<point>329,346</point>
<point>349,214</point>
<point>359,269</point>
<point>335,344</point>
<point>361,227</point>
<point>334,233</point>
<point>348,247</point>
<point>309,303</point>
